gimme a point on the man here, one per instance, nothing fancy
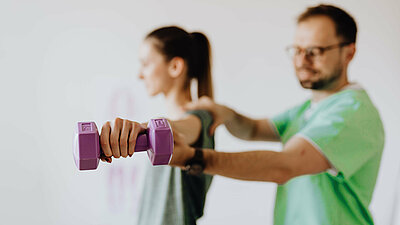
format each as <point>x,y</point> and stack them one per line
<point>332,143</point>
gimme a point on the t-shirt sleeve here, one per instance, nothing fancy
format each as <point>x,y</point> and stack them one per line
<point>348,134</point>
<point>282,121</point>
<point>204,140</point>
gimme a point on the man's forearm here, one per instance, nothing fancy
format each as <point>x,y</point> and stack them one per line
<point>253,166</point>
<point>240,126</point>
<point>251,129</point>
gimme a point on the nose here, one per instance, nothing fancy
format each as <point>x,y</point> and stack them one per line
<point>140,75</point>
<point>302,60</point>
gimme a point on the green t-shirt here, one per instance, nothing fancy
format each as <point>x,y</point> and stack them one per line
<point>170,196</point>
<point>347,129</point>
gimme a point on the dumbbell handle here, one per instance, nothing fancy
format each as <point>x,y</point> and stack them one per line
<point>142,143</point>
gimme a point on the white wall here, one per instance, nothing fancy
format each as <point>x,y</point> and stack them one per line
<point>68,61</point>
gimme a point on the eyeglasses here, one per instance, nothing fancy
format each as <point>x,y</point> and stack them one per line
<point>313,52</point>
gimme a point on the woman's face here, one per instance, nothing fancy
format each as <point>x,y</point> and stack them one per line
<point>153,69</point>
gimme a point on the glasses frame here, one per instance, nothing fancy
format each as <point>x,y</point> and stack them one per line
<point>309,52</point>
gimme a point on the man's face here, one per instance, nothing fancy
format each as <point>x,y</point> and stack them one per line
<point>323,71</point>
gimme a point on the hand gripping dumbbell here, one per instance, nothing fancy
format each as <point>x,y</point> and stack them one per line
<point>157,141</point>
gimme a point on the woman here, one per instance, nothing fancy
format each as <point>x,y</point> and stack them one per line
<point>170,59</point>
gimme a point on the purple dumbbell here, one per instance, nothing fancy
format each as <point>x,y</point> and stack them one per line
<point>157,141</point>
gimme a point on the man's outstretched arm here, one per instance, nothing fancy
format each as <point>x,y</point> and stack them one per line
<point>299,157</point>
<point>238,125</point>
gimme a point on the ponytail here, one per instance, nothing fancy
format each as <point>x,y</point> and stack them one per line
<point>201,66</point>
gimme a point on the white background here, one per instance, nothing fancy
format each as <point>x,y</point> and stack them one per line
<point>68,61</point>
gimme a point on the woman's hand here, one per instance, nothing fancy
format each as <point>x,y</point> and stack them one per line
<point>119,140</point>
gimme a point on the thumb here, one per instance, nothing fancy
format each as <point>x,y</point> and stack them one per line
<point>213,127</point>
<point>178,137</point>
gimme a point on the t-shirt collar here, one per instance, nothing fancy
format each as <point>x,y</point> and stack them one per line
<point>313,105</point>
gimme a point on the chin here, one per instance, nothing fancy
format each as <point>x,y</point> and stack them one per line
<point>306,84</point>
<point>316,85</point>
<point>153,93</point>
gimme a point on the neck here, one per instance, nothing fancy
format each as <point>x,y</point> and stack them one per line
<point>175,100</point>
<point>319,95</point>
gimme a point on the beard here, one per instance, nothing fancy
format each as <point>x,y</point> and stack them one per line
<point>324,82</point>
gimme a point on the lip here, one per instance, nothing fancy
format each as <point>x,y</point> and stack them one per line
<point>305,75</point>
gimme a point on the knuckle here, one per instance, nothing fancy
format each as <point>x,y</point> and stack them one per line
<point>117,121</point>
<point>127,122</point>
<point>136,127</point>
<point>106,125</point>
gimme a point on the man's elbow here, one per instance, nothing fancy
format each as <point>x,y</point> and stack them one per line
<point>283,175</point>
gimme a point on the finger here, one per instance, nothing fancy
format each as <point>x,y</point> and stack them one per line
<point>134,132</point>
<point>205,100</point>
<point>178,138</point>
<point>105,139</point>
<point>123,141</point>
<point>213,127</point>
<point>103,157</point>
<point>114,137</point>
<point>106,159</point>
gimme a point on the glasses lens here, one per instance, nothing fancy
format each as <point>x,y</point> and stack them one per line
<point>315,51</point>
<point>292,51</point>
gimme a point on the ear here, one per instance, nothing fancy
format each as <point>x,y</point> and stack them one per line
<point>176,67</point>
<point>351,51</point>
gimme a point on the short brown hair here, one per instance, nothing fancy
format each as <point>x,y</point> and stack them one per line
<point>346,27</point>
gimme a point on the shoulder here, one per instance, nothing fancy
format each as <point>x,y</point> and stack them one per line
<point>203,115</point>
<point>350,103</point>
<point>351,112</point>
